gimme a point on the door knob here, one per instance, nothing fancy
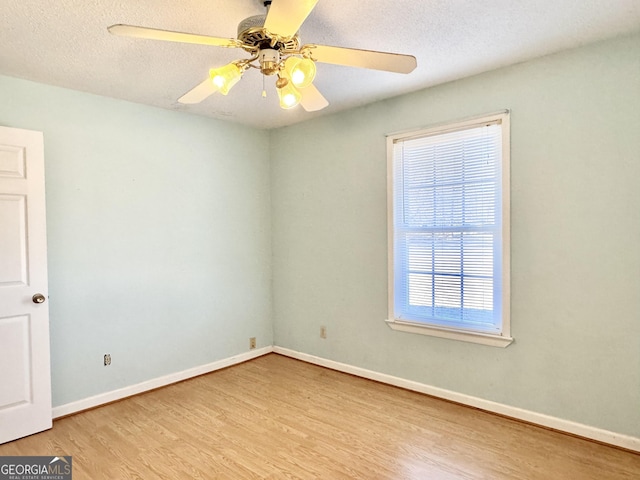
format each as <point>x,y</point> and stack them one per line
<point>38,298</point>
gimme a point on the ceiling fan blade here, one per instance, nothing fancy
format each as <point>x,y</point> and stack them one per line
<point>199,92</point>
<point>352,57</point>
<point>286,16</point>
<point>312,100</point>
<point>169,36</point>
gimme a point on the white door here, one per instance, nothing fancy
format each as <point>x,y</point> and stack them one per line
<point>25,381</point>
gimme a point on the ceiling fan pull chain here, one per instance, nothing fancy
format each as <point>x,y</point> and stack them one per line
<point>264,90</point>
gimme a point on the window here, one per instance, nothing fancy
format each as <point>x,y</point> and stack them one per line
<point>449,231</point>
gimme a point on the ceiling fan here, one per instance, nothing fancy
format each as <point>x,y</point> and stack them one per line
<point>273,43</point>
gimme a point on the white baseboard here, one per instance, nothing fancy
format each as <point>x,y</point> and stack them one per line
<point>581,430</point>
<point>604,436</point>
<point>112,396</point>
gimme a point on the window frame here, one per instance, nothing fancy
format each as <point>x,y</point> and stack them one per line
<point>502,339</point>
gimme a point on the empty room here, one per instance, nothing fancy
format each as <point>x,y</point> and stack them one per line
<point>318,239</point>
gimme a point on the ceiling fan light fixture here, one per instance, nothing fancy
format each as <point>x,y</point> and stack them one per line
<point>289,96</point>
<point>226,77</point>
<point>301,71</point>
<point>274,45</point>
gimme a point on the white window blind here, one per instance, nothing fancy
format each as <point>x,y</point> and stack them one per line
<point>447,228</point>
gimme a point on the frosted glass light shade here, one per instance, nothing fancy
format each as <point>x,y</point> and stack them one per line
<point>301,71</point>
<point>225,77</point>
<point>289,96</point>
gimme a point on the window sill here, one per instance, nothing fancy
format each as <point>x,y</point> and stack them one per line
<point>473,337</point>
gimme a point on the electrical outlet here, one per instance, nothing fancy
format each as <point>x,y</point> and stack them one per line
<point>323,332</point>
<point>107,359</point>
<point>252,343</point>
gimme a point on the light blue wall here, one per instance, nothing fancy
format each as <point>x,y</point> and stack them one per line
<point>575,242</point>
<point>161,231</point>
<point>158,235</point>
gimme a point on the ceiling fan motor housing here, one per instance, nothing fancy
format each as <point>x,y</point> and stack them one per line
<point>253,36</point>
<point>256,21</point>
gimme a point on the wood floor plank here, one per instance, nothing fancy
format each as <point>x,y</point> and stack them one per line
<point>279,418</point>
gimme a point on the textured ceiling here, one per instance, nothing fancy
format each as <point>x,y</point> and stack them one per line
<point>66,43</point>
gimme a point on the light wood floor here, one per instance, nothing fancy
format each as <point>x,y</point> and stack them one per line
<point>278,418</point>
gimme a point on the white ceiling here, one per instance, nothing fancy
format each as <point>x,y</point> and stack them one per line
<point>66,43</point>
